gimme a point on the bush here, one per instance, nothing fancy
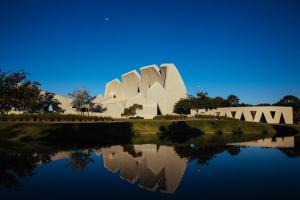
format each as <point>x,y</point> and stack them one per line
<point>170,117</point>
<point>205,116</point>
<point>52,117</point>
<point>198,116</point>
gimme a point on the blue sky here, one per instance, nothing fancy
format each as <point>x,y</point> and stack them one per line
<point>248,48</point>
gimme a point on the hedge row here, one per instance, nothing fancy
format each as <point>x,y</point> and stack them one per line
<point>213,117</point>
<point>52,117</point>
<point>170,117</point>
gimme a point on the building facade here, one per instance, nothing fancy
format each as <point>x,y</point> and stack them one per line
<point>157,89</point>
<point>266,114</point>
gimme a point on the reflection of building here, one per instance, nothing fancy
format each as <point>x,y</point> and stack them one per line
<point>278,142</point>
<point>150,167</point>
<point>267,114</point>
<point>61,155</point>
<point>156,168</point>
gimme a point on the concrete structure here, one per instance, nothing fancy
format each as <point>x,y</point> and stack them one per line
<point>267,114</point>
<point>157,89</point>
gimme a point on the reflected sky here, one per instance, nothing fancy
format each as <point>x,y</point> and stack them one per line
<point>151,171</point>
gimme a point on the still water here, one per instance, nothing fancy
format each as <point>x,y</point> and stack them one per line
<point>264,169</point>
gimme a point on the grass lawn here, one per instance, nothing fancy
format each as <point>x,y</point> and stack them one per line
<point>213,130</point>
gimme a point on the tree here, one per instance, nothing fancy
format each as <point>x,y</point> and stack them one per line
<point>18,93</point>
<point>81,100</point>
<point>219,102</point>
<point>288,100</point>
<point>9,84</point>
<point>292,101</point>
<point>131,111</point>
<point>233,100</point>
<point>46,100</point>
<point>97,108</point>
<point>183,106</point>
<point>202,101</point>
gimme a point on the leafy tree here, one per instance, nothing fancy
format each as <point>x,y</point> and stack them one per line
<point>97,108</point>
<point>292,101</point>
<point>202,101</point>
<point>219,102</point>
<point>288,100</point>
<point>183,106</point>
<point>131,111</point>
<point>46,100</point>
<point>81,100</point>
<point>9,84</point>
<point>233,100</point>
<point>18,93</point>
<point>28,96</point>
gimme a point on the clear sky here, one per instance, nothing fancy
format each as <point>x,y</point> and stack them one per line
<point>245,47</point>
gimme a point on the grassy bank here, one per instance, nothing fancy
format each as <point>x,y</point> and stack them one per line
<point>138,130</point>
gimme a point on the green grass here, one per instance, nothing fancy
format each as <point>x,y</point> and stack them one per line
<point>141,131</point>
<point>206,126</point>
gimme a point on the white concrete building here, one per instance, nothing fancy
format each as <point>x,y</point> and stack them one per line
<point>157,89</point>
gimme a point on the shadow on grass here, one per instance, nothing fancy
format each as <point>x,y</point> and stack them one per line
<point>178,132</point>
<point>283,130</point>
<point>93,133</point>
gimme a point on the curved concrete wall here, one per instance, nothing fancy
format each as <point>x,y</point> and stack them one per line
<point>154,88</point>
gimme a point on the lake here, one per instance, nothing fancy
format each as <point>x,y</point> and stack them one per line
<point>264,169</point>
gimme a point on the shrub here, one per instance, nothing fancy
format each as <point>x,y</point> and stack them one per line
<point>170,117</point>
<point>198,116</point>
<point>53,117</point>
<point>205,116</point>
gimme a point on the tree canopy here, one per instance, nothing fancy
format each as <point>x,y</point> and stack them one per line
<point>18,93</point>
<point>233,100</point>
<point>131,111</point>
<point>292,101</point>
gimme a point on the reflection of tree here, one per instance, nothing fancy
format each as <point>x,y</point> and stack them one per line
<point>233,150</point>
<point>15,166</point>
<point>178,132</point>
<point>80,159</point>
<point>204,153</point>
<point>293,152</point>
<point>130,149</point>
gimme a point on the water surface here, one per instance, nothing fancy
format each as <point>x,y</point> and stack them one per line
<point>250,170</point>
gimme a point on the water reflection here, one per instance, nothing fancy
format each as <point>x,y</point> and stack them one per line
<point>149,166</point>
<point>155,167</point>
<point>276,142</point>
